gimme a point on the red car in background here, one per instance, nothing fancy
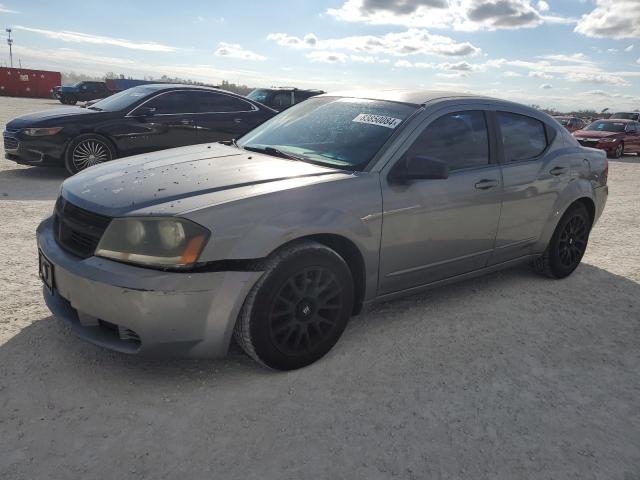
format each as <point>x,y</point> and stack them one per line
<point>616,137</point>
<point>570,123</point>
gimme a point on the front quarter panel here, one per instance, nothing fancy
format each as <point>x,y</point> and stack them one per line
<point>254,226</point>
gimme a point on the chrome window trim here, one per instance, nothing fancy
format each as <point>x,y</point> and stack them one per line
<point>253,107</point>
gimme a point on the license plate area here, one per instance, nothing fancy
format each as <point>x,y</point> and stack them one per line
<point>45,271</point>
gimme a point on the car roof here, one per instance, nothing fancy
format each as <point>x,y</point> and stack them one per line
<point>616,120</point>
<point>415,97</point>
<point>168,86</point>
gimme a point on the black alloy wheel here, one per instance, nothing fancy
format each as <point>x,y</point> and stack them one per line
<point>568,244</point>
<point>298,309</point>
<point>305,310</point>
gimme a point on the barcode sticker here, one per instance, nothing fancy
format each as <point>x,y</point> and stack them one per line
<point>380,120</point>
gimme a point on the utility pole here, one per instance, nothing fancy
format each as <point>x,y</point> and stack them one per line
<point>10,43</point>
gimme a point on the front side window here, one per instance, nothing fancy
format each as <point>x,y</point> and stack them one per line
<point>259,95</point>
<point>523,137</point>
<point>212,102</point>
<point>341,132</point>
<point>459,139</point>
<point>172,103</point>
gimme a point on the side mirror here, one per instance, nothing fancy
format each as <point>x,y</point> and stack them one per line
<point>419,167</point>
<point>143,112</point>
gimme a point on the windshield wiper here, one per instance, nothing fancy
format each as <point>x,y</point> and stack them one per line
<point>94,108</point>
<point>274,152</point>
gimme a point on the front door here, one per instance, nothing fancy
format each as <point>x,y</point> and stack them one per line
<point>222,117</point>
<point>436,229</point>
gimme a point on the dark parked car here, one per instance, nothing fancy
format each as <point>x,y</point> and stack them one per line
<point>334,204</point>
<point>635,116</point>
<point>81,92</point>
<point>570,123</point>
<point>138,120</point>
<point>616,137</point>
<point>281,98</point>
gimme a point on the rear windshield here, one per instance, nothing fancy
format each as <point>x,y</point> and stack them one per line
<point>626,116</point>
<point>333,131</point>
<point>259,95</point>
<point>606,127</point>
<point>563,121</point>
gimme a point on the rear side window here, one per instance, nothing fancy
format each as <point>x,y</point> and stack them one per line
<point>523,137</point>
<point>212,102</point>
<point>460,139</point>
<point>282,99</point>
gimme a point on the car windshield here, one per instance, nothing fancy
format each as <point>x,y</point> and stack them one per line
<point>333,131</point>
<point>606,127</point>
<point>625,116</point>
<point>259,95</point>
<point>122,100</point>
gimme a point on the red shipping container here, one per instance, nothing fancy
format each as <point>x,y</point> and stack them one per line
<point>23,82</point>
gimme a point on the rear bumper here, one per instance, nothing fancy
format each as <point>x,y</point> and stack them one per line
<point>142,311</point>
<point>600,199</point>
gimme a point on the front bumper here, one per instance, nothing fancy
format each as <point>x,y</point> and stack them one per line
<point>142,311</point>
<point>33,151</point>
<point>609,147</point>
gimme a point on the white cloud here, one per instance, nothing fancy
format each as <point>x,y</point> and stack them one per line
<point>233,50</point>
<point>77,37</point>
<point>326,57</point>
<point>575,58</point>
<point>601,78</point>
<point>512,74</point>
<point>543,6</point>
<point>411,42</point>
<point>458,14</point>
<point>612,18</point>
<point>629,48</point>
<point>546,86</point>
<point>4,9</point>
<point>538,74</point>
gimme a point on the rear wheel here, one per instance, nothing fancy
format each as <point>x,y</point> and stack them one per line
<point>568,244</point>
<point>86,151</point>
<point>298,309</point>
<point>68,99</point>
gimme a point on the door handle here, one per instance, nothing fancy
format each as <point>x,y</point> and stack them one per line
<point>558,171</point>
<point>237,120</point>
<point>184,121</point>
<point>486,184</point>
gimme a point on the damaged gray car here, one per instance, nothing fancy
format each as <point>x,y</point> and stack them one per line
<point>277,239</point>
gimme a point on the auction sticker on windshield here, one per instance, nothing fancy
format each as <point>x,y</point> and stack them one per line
<point>380,120</point>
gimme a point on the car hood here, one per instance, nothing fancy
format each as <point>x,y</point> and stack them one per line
<point>34,119</point>
<point>595,134</point>
<point>171,176</point>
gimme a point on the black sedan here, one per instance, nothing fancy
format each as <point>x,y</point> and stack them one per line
<point>138,120</point>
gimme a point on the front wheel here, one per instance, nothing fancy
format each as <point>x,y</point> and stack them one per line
<point>86,151</point>
<point>298,309</point>
<point>568,244</point>
<point>619,151</point>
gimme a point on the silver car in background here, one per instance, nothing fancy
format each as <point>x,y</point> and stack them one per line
<point>338,202</point>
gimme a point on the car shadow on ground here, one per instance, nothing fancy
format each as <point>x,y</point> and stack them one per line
<point>35,183</point>
<point>32,352</point>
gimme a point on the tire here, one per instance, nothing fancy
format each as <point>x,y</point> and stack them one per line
<point>298,309</point>
<point>88,150</point>
<point>568,244</point>
<point>68,100</point>
<point>619,152</point>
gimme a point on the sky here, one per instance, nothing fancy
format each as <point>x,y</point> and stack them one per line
<point>562,54</point>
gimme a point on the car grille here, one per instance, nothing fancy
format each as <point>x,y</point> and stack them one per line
<point>588,142</point>
<point>78,231</point>
<point>10,143</point>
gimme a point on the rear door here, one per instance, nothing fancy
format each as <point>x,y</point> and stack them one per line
<point>632,138</point>
<point>533,178</point>
<point>436,229</point>
<point>219,116</point>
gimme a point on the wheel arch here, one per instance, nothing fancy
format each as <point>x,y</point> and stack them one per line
<point>581,198</point>
<point>350,253</point>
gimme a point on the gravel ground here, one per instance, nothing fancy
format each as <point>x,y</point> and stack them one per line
<point>509,376</point>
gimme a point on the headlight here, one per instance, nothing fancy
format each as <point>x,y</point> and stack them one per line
<point>41,132</point>
<point>608,140</point>
<point>153,242</point>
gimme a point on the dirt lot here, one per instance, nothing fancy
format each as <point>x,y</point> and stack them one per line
<point>510,376</point>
